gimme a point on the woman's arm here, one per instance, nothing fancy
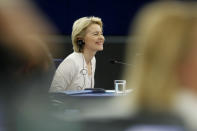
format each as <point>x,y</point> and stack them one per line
<point>63,76</point>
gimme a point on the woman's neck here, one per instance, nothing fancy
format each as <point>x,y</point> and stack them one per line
<point>88,56</point>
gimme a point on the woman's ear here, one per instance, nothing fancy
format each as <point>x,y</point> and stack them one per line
<point>80,43</point>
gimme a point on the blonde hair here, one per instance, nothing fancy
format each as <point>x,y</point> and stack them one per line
<point>79,29</point>
<point>162,34</point>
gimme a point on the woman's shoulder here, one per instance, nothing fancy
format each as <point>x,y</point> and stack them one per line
<point>71,59</point>
<point>74,56</point>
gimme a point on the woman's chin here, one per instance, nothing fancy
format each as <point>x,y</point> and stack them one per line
<point>100,49</point>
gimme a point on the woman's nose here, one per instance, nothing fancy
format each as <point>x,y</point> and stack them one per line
<point>102,37</point>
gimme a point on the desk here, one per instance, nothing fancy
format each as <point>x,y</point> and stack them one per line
<point>85,95</point>
<point>91,93</point>
<point>80,105</point>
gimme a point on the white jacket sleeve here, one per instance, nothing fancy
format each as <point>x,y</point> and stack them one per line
<point>63,76</point>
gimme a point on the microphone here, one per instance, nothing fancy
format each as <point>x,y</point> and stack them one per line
<point>119,62</point>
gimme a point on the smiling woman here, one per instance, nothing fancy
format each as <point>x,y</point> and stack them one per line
<point>94,38</point>
<point>76,72</point>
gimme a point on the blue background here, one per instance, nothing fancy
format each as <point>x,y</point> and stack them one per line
<point>117,15</point>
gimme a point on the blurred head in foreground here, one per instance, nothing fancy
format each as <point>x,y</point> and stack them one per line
<point>165,34</point>
<point>26,65</point>
<point>23,44</point>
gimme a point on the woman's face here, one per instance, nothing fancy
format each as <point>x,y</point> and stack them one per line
<point>94,38</point>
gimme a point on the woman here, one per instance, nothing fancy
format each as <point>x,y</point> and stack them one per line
<point>164,78</point>
<point>76,72</point>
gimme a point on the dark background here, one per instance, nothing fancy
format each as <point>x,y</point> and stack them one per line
<point>117,16</point>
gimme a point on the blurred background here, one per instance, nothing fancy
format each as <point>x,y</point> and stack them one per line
<point>116,15</point>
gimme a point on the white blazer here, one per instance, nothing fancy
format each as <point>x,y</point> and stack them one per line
<point>72,74</point>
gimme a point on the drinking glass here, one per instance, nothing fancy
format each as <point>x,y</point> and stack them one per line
<point>120,86</point>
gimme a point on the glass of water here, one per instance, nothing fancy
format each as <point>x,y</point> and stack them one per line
<point>120,86</point>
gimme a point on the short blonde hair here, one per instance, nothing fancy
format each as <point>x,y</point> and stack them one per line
<point>79,29</point>
<point>163,34</point>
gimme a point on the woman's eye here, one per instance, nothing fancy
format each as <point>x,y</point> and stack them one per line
<point>95,34</point>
